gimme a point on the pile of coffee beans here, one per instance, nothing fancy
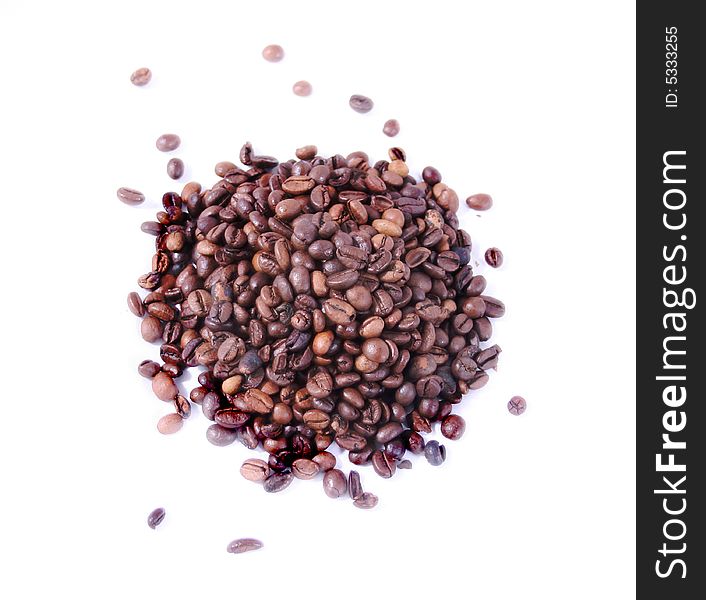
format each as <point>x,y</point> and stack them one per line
<point>329,301</point>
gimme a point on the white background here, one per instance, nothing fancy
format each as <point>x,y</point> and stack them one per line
<point>532,102</point>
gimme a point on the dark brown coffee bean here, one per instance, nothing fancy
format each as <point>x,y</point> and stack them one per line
<point>383,465</point>
<point>182,406</point>
<point>156,517</point>
<point>303,468</point>
<point>351,441</point>
<point>391,128</point>
<point>231,418</point>
<point>167,142</point>
<point>388,432</point>
<point>334,483</point>
<point>453,427</point>
<point>338,311</point>
<point>494,257</point>
<point>360,104</point>
<point>244,545</point>
<point>325,460</point>
<point>134,303</point>
<point>148,368</point>
<point>175,168</point>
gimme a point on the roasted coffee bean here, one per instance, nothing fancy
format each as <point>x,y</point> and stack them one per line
<point>131,197</point>
<point>479,202</point>
<point>303,468</point>
<point>366,500</point>
<point>355,489</point>
<point>277,482</point>
<point>155,517</point>
<point>273,53</point>
<point>167,142</point>
<point>404,464</point>
<point>329,300</point>
<point>453,427</point>
<point>254,469</point>
<point>244,545</point>
<point>383,464</point>
<point>302,88</point>
<point>391,128</point>
<point>335,484</point>
<point>170,423</point>
<point>360,104</point>
<point>494,257</point>
<point>434,453</point>
<point>141,76</point>
<point>175,168</point>
<point>517,405</point>
<point>148,368</point>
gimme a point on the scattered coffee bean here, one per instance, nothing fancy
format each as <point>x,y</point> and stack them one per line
<point>434,453</point>
<point>130,196</point>
<point>391,128</point>
<point>494,257</point>
<point>404,464</point>
<point>517,405</point>
<point>273,53</point>
<point>156,517</point>
<point>254,469</point>
<point>175,168</point>
<point>277,482</point>
<point>452,427</point>
<point>148,368</point>
<point>170,423</point>
<point>167,142</point>
<point>360,104</point>
<point>302,88</point>
<point>479,202</point>
<point>355,489</point>
<point>244,545</point>
<point>366,500</point>
<point>141,77</point>
<point>335,483</point>
<point>221,436</point>
<point>134,303</point>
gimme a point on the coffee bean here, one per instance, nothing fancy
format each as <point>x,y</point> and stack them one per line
<point>479,202</point>
<point>254,469</point>
<point>434,453</point>
<point>494,257</point>
<point>175,168</point>
<point>148,368</point>
<point>141,76</point>
<point>169,424</point>
<point>167,142</point>
<point>302,88</point>
<point>303,468</point>
<point>277,482</point>
<point>220,436</point>
<point>391,128</point>
<point>366,500</point>
<point>325,460</point>
<point>273,53</point>
<point>134,303</point>
<point>383,464</point>
<point>130,196</point>
<point>453,426</point>
<point>244,545</point>
<point>334,483</point>
<point>156,517</point>
<point>517,405</point>
<point>404,464</point>
<point>164,387</point>
<point>360,104</point>
<point>355,489</point>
